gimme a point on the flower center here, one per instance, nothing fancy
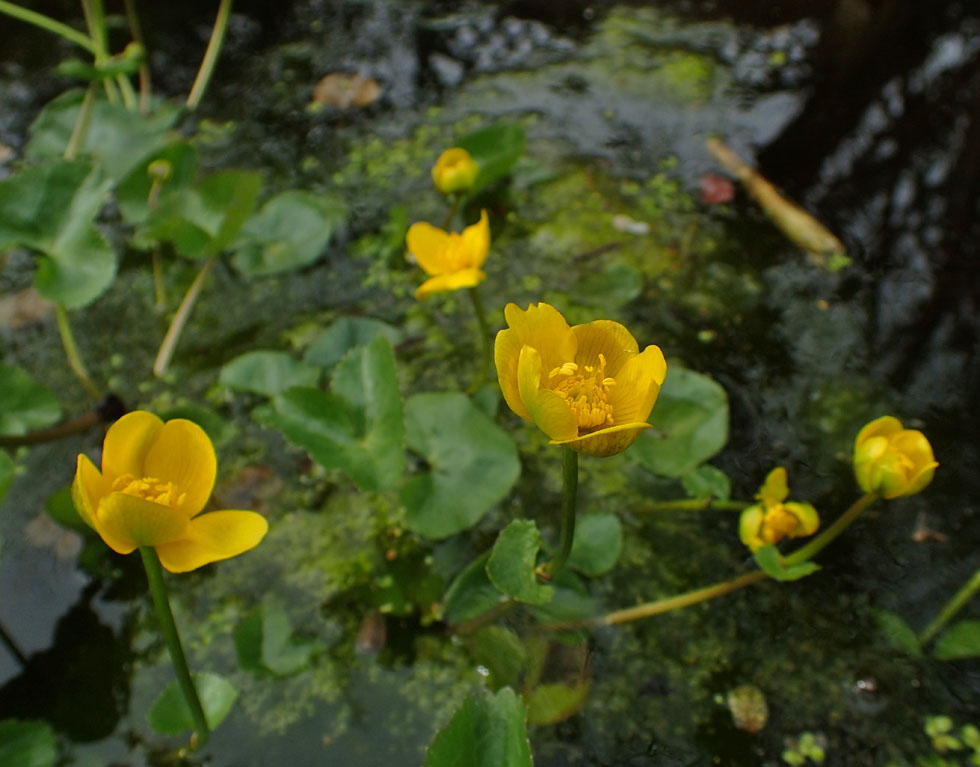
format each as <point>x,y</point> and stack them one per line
<point>586,392</point>
<point>778,523</point>
<point>150,489</point>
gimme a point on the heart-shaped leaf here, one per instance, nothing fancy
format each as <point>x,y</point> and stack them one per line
<point>266,645</point>
<point>472,464</point>
<point>345,334</point>
<point>598,541</point>
<point>268,373</point>
<point>170,714</point>
<point>357,426</point>
<point>513,563</point>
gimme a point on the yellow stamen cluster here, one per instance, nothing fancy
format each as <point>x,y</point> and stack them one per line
<point>150,489</point>
<point>586,393</point>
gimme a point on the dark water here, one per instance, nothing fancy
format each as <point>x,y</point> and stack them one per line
<point>866,112</point>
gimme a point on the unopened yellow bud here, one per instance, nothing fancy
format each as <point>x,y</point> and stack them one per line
<point>454,171</point>
<point>892,461</point>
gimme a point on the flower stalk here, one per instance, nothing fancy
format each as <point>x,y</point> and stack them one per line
<point>71,351</point>
<point>48,24</point>
<point>568,492</point>
<point>210,59</point>
<point>170,340</point>
<point>953,606</point>
<point>158,590</point>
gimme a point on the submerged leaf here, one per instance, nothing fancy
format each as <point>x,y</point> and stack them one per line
<point>170,714</point>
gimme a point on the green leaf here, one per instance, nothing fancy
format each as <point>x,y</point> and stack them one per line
<point>898,632</point>
<point>570,602</point>
<point>50,208</point>
<point>117,138</point>
<point>357,426</point>
<point>615,286</point>
<point>500,651</point>
<point>961,640</point>
<point>706,481</point>
<point>468,455</point>
<point>488,730</point>
<point>771,562</point>
<point>133,192</point>
<point>471,593</point>
<point>690,423</point>
<point>26,743</point>
<point>25,404</point>
<point>268,373</point>
<point>598,541</point>
<point>553,703</point>
<point>61,508</point>
<point>345,334</point>
<point>266,645</point>
<point>495,149</point>
<point>513,562</point>
<point>291,230</point>
<point>7,470</point>
<point>170,714</point>
<point>204,219</point>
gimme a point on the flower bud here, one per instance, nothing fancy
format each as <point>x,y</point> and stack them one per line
<point>771,520</point>
<point>454,171</point>
<point>892,461</point>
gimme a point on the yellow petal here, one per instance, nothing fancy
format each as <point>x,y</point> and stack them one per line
<point>126,444</point>
<point>476,240</point>
<point>213,536</point>
<point>465,278</point>
<point>638,386</point>
<point>750,527</point>
<point>126,521</point>
<point>605,442</point>
<point>775,489</point>
<point>880,427</point>
<point>918,481</point>
<point>808,521</point>
<point>183,454</point>
<point>549,411</point>
<point>430,246</point>
<point>87,490</point>
<point>608,338</point>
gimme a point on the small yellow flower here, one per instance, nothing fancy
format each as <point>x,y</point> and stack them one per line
<point>892,461</point>
<point>453,260</point>
<point>155,479</point>
<point>771,520</point>
<point>587,386</point>
<point>454,171</point>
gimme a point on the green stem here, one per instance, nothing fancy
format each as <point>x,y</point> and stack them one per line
<point>136,33</point>
<point>692,504</point>
<point>953,606</point>
<point>453,207</point>
<point>158,589</point>
<point>47,23</point>
<point>80,128</point>
<point>95,21</point>
<point>844,521</point>
<point>481,319</point>
<point>210,59</point>
<point>169,343</point>
<point>71,350</point>
<point>481,620</point>
<point>568,491</point>
<point>689,598</point>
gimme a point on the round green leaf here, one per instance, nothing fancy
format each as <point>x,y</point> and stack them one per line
<point>268,373</point>
<point>611,288</point>
<point>690,422</point>
<point>25,404</point>
<point>133,192</point>
<point>472,464</point>
<point>290,231</point>
<point>266,645</point>
<point>345,334</point>
<point>706,481</point>
<point>170,714</point>
<point>27,744</point>
<point>500,651</point>
<point>598,541</point>
<point>495,149</point>
<point>513,563</point>
<point>488,730</point>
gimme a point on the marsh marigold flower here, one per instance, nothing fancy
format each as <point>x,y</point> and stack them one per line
<point>453,260</point>
<point>454,171</point>
<point>155,479</point>
<point>587,386</point>
<point>892,461</point>
<point>771,520</point>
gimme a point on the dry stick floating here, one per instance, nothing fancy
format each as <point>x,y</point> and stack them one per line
<point>660,606</point>
<point>798,225</point>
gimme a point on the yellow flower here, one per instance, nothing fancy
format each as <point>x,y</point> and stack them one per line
<point>892,461</point>
<point>772,520</point>
<point>586,386</point>
<point>454,171</point>
<point>155,479</point>
<point>453,260</point>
